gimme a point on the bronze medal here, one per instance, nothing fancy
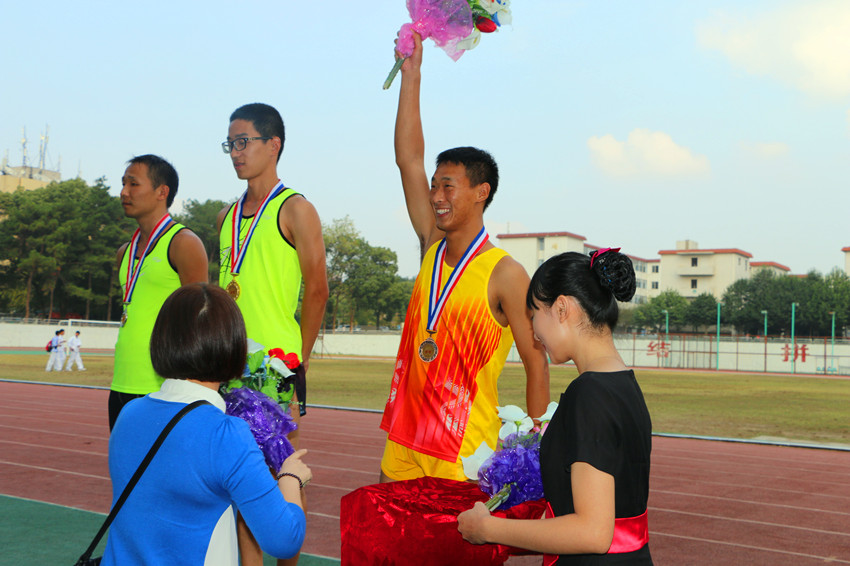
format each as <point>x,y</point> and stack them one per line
<point>123,318</point>
<point>428,350</point>
<point>233,289</point>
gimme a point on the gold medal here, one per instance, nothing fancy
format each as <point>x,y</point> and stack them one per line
<point>233,289</point>
<point>123,318</point>
<point>428,350</point>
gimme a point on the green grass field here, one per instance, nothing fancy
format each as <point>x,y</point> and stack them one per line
<point>746,406</point>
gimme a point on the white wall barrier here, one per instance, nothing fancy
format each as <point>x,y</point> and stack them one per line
<point>681,351</point>
<point>737,353</point>
<point>15,335</point>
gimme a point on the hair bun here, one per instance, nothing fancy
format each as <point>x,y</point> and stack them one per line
<point>615,273</point>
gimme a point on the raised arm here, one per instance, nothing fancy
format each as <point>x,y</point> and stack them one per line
<point>511,284</point>
<point>189,257</point>
<point>300,219</point>
<point>410,151</point>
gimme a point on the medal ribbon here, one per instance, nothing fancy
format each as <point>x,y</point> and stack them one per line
<point>237,252</point>
<point>436,298</point>
<point>133,274</point>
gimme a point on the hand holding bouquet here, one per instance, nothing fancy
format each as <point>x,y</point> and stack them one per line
<point>454,25</point>
<point>511,474</point>
<point>256,399</point>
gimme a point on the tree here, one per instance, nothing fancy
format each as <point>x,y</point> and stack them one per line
<point>342,245</point>
<point>58,247</point>
<point>371,276</point>
<point>362,279</point>
<point>91,273</point>
<point>651,315</point>
<point>702,311</point>
<point>201,218</point>
<point>392,304</point>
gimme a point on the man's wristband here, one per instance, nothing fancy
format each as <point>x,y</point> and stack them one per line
<point>290,474</point>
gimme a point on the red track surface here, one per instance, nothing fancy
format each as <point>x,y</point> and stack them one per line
<point>710,502</point>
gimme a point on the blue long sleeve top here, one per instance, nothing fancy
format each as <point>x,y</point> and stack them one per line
<point>208,463</point>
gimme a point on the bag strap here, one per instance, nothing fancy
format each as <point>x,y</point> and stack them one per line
<point>135,479</point>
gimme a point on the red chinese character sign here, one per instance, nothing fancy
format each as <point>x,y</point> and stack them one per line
<point>659,349</point>
<point>799,351</point>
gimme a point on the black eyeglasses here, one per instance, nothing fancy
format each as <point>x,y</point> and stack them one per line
<point>238,144</point>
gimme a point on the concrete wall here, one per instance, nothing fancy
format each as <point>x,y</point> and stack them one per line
<point>36,335</point>
<point>678,351</point>
<point>739,353</point>
<point>340,344</point>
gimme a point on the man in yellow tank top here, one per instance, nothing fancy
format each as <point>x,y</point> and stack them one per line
<point>278,242</point>
<point>161,257</point>
<point>467,308</point>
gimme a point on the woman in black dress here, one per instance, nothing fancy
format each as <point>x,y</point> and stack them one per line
<point>594,455</point>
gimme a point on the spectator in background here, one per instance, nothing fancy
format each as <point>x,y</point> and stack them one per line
<point>74,353</point>
<point>57,352</point>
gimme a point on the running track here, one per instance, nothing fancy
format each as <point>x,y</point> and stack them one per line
<point>710,502</point>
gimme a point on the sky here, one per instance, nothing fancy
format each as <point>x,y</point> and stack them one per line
<point>632,123</point>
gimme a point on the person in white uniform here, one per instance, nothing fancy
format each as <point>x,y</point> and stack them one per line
<point>57,352</point>
<point>74,353</point>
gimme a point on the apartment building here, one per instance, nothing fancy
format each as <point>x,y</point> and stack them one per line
<point>691,271</point>
<point>772,266</point>
<point>532,249</point>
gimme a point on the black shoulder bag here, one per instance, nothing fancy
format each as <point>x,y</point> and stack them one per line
<point>86,559</point>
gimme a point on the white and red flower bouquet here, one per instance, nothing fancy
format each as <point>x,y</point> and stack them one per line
<point>257,397</point>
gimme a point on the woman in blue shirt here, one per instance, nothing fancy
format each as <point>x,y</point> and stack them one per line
<point>182,509</point>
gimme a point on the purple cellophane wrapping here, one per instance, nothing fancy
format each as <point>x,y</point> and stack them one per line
<point>268,421</point>
<point>517,462</point>
<point>445,21</point>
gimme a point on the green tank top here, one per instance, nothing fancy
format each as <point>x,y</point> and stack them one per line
<point>269,280</point>
<point>133,367</point>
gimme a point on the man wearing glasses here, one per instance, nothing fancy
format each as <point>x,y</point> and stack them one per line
<point>271,239</point>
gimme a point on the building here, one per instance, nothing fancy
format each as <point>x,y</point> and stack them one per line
<point>688,270</point>
<point>691,271</point>
<point>27,177</point>
<point>772,266</point>
<point>532,249</point>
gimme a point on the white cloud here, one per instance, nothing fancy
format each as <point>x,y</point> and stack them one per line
<point>806,44</point>
<point>766,150</point>
<point>645,153</point>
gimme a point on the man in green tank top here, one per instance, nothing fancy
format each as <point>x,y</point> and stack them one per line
<point>161,257</point>
<point>271,238</point>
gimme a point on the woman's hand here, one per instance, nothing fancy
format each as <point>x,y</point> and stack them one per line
<point>472,523</point>
<point>294,465</point>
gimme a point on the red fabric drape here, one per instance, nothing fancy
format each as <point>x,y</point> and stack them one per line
<point>415,522</point>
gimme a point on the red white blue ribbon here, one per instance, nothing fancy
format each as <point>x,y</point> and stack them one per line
<point>133,274</point>
<point>437,298</point>
<point>237,252</point>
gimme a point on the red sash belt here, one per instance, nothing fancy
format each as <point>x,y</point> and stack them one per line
<point>630,534</point>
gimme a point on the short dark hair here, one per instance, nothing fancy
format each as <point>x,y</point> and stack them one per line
<point>160,172</point>
<point>199,334</point>
<point>266,120</point>
<point>597,288</point>
<point>480,167</point>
